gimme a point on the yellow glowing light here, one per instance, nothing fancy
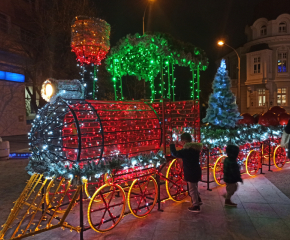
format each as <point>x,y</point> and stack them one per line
<point>274,158</point>
<point>215,167</point>
<point>119,189</point>
<point>129,197</point>
<point>221,43</point>
<point>167,183</point>
<point>47,90</point>
<point>252,173</point>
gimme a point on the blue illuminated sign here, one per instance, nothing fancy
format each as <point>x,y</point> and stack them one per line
<point>19,155</point>
<point>13,77</point>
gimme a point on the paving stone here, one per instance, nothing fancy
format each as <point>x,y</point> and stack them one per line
<point>271,228</point>
<point>243,232</point>
<point>252,197</point>
<point>260,210</point>
<point>167,225</point>
<point>282,210</point>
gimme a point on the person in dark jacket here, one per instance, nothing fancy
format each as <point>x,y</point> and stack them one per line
<point>232,173</point>
<point>191,168</point>
<point>287,130</point>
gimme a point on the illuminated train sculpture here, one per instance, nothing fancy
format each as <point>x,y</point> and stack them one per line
<point>78,130</point>
<point>109,150</point>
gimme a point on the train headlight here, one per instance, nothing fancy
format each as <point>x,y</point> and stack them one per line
<point>47,90</point>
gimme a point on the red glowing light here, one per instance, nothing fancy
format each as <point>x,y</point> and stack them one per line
<point>109,129</point>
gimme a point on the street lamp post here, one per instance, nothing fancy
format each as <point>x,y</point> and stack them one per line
<point>221,43</point>
<point>149,2</point>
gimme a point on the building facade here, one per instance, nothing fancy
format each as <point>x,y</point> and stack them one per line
<point>265,67</point>
<point>15,32</point>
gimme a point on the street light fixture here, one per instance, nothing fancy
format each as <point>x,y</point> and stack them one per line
<point>149,2</point>
<point>222,43</point>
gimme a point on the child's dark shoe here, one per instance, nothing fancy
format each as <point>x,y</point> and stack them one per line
<point>229,203</point>
<point>194,209</point>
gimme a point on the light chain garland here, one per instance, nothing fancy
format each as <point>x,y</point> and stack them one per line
<point>222,109</point>
<point>148,55</point>
<point>90,39</point>
<point>52,169</point>
<point>212,136</point>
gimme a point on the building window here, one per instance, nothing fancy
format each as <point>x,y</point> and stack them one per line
<point>281,96</point>
<point>257,65</point>
<point>282,62</point>
<point>263,30</point>
<point>262,97</point>
<point>3,23</point>
<point>282,27</point>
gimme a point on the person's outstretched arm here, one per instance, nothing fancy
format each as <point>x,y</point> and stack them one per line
<point>174,152</point>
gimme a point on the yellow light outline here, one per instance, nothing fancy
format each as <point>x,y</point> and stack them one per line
<point>48,202</point>
<point>274,160</point>
<point>166,183</point>
<point>247,163</point>
<point>129,197</point>
<point>214,168</point>
<point>92,201</point>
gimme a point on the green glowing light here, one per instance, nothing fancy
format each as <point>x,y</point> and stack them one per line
<point>147,56</point>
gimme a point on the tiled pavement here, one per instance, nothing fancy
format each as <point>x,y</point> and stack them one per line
<point>263,212</point>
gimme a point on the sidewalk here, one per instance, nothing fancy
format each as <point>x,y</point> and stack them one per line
<point>263,212</point>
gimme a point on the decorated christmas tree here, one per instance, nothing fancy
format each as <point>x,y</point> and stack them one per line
<point>222,110</point>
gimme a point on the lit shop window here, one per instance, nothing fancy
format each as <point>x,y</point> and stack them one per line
<point>281,96</point>
<point>262,97</point>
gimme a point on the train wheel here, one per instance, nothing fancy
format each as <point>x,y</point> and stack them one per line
<point>91,187</point>
<point>253,162</point>
<point>54,190</point>
<point>176,187</point>
<point>279,157</point>
<point>142,196</point>
<point>218,170</point>
<point>105,214</point>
